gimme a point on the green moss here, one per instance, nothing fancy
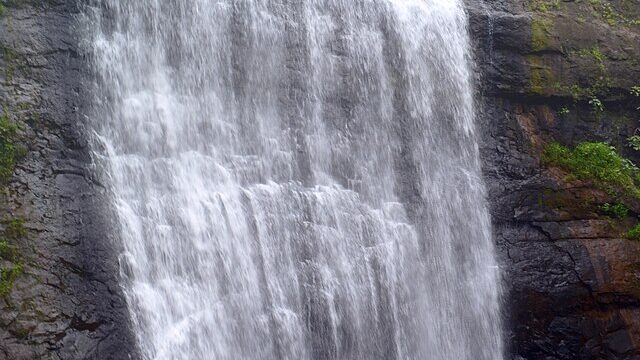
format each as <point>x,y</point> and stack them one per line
<point>22,333</point>
<point>542,80</point>
<point>544,6</point>
<point>597,162</point>
<point>540,33</point>
<point>9,151</point>
<point>7,251</point>
<point>2,9</point>
<point>634,233</point>
<point>13,230</point>
<point>10,58</point>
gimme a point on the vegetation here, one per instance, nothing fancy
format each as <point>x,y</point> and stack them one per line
<point>597,162</point>
<point>543,81</point>
<point>10,152</point>
<point>544,6</point>
<point>10,58</point>
<point>634,142</point>
<point>607,12</point>
<point>540,32</point>
<point>634,233</point>
<point>564,111</point>
<point>596,105</point>
<point>13,230</point>
<point>601,164</point>
<point>616,211</point>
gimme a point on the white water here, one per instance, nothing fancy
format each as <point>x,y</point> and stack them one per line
<point>295,179</point>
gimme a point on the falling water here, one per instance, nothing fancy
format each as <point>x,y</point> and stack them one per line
<point>295,179</point>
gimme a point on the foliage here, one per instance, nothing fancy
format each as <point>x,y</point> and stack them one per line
<point>607,12</point>
<point>635,91</point>
<point>13,230</point>
<point>634,142</point>
<point>8,277</point>
<point>564,111</point>
<point>617,210</point>
<point>598,162</point>
<point>634,233</point>
<point>596,105</point>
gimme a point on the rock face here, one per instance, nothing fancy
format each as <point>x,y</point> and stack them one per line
<point>66,302</point>
<point>572,280</point>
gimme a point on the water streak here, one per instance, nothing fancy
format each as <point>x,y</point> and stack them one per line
<point>295,179</point>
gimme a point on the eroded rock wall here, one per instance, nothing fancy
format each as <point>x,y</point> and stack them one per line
<point>572,278</point>
<point>64,302</point>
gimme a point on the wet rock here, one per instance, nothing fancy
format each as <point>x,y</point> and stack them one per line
<point>67,303</point>
<point>571,279</point>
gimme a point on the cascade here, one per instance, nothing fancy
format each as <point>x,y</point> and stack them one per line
<point>295,179</point>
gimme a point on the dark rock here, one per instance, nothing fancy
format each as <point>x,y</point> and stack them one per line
<point>572,285</point>
<point>67,304</point>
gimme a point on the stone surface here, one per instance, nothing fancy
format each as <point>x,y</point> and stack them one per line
<point>67,304</point>
<point>571,280</point>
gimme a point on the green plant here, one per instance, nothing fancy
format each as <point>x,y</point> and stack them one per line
<point>634,142</point>
<point>617,210</point>
<point>13,230</point>
<point>597,162</point>
<point>564,111</point>
<point>8,277</point>
<point>635,91</point>
<point>598,55</point>
<point>607,12</point>
<point>596,105</point>
<point>634,233</point>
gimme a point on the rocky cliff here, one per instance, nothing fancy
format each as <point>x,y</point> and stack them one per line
<point>549,72</point>
<point>59,298</point>
<point>554,75</point>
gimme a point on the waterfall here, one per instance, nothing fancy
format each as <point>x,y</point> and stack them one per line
<point>295,179</point>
